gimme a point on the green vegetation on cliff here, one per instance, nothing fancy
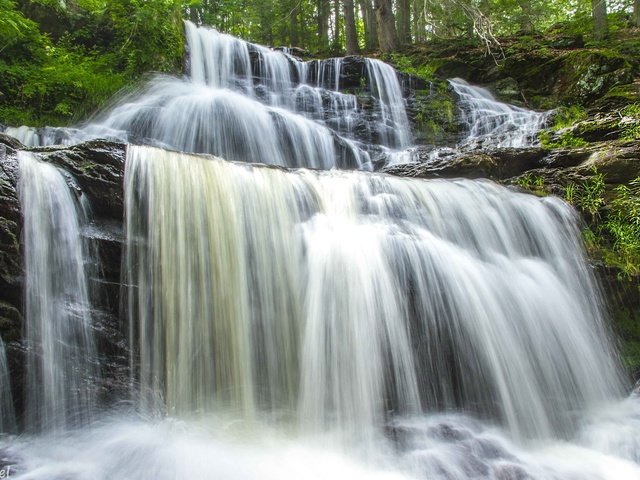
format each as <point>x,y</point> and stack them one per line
<point>61,61</point>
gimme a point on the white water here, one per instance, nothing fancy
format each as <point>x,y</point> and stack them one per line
<point>235,89</point>
<point>60,366</point>
<point>487,123</point>
<point>337,297</point>
<point>393,121</point>
<point>7,413</point>
<point>308,325</point>
<point>495,124</point>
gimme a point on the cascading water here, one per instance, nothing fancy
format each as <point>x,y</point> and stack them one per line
<point>393,121</point>
<point>494,123</point>
<point>7,413</point>
<point>487,123</point>
<point>312,324</point>
<point>332,324</point>
<point>343,296</point>
<point>60,367</point>
<point>302,118</point>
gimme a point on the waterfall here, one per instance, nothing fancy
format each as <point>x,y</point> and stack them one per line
<point>344,296</point>
<point>393,121</point>
<point>495,123</point>
<point>7,413</point>
<point>308,323</point>
<point>60,368</point>
<point>233,90</point>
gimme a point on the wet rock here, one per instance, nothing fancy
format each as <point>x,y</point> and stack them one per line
<point>587,75</point>
<point>508,90</point>
<point>10,321</point>
<point>10,229</point>
<point>513,161</point>
<point>496,164</point>
<point>619,162</point>
<point>11,142</point>
<point>450,432</point>
<point>353,72</point>
<point>98,167</point>
<point>468,165</point>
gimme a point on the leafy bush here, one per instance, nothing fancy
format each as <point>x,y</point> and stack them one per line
<point>105,46</point>
<point>630,122</point>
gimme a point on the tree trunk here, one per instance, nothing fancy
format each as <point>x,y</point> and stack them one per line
<point>370,24</point>
<point>294,38</point>
<point>386,26</point>
<point>324,9</point>
<point>601,26</point>
<point>636,13</point>
<point>526,19</point>
<point>337,45</point>
<point>415,27</point>
<point>351,36</point>
<point>404,22</point>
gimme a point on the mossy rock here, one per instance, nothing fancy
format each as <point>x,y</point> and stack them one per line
<point>623,302</point>
<point>588,75</point>
<point>435,116</point>
<point>618,97</point>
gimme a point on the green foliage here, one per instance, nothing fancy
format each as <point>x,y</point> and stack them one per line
<point>591,197</point>
<point>535,184</point>
<point>405,64</point>
<point>630,123</point>
<point>623,224</point>
<point>148,34</point>
<point>99,47</point>
<point>613,232</point>
<point>564,139</point>
<point>567,116</point>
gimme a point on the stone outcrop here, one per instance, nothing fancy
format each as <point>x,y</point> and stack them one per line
<point>619,162</point>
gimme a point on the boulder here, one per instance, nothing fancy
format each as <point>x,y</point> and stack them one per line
<point>497,164</point>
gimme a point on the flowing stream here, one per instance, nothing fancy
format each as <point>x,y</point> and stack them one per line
<point>308,324</point>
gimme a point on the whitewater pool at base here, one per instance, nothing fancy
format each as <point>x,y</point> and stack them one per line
<point>451,447</point>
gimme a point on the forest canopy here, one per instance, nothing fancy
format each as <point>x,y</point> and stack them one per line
<point>61,60</point>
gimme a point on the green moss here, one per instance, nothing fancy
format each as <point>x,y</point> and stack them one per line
<point>628,92</point>
<point>567,116</point>
<point>563,140</point>
<point>412,65</point>
<point>436,114</point>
